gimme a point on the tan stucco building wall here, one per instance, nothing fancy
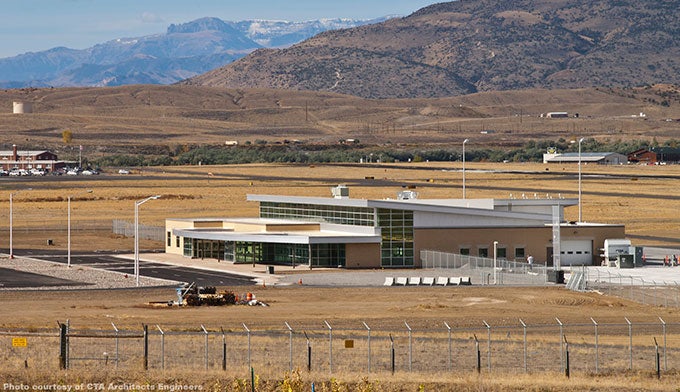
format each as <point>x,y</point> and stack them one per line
<point>362,256</point>
<point>536,241</point>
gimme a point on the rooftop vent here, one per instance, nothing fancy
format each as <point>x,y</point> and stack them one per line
<point>407,195</point>
<point>340,192</point>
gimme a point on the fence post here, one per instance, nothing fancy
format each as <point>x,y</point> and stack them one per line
<point>369,345</point>
<point>488,345</point>
<point>162,346</point>
<point>309,353</point>
<point>665,360</point>
<point>116,329</point>
<point>290,347</point>
<point>630,342</point>
<point>205,331</point>
<point>63,352</point>
<point>224,349</point>
<point>410,347</point>
<point>248,332</point>
<point>597,348</point>
<point>392,352</point>
<point>479,355</point>
<point>449,359</point>
<point>561,338</point>
<point>68,344</point>
<point>525,344</point>
<point>658,363</point>
<point>330,346</point>
<point>566,345</point>
<point>146,347</point>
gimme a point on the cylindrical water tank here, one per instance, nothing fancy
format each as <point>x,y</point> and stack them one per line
<point>22,107</point>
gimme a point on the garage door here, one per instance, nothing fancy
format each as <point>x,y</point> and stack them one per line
<point>576,252</point>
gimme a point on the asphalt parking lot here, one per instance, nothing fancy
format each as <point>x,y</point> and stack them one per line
<point>112,262</point>
<point>10,278</point>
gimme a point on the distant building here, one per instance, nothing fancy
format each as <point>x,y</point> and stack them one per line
<point>556,115</point>
<point>20,107</point>
<point>642,155</point>
<point>601,158</point>
<point>39,159</point>
<point>666,154</point>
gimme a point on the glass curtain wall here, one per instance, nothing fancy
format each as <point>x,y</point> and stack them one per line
<point>397,237</point>
<point>357,216</point>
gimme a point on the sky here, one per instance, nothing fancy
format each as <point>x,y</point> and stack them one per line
<point>37,25</point>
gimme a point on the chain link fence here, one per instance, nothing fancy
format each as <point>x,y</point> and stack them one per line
<point>486,271</point>
<point>127,229</point>
<point>591,347</point>
<point>634,288</point>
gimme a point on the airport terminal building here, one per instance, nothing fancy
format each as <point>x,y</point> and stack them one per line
<point>390,233</point>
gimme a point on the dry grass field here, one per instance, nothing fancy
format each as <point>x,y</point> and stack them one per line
<point>642,197</point>
<point>130,119</point>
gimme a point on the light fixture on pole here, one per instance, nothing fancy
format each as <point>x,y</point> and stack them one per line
<point>464,141</point>
<point>495,259</point>
<point>68,257</point>
<point>11,222</point>
<point>137,204</point>
<point>580,211</point>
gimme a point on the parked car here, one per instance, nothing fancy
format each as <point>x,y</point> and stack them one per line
<point>123,171</point>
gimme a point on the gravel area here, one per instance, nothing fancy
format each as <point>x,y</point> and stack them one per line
<point>83,277</point>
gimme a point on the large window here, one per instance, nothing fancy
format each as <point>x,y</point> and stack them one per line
<point>397,237</point>
<point>328,255</point>
<point>357,216</point>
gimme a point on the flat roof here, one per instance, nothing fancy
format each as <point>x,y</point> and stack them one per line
<point>289,237</point>
<point>473,207</point>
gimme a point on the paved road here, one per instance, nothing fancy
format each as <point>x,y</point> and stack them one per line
<point>10,278</point>
<point>154,270</point>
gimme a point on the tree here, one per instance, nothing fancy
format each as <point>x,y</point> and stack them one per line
<point>67,135</point>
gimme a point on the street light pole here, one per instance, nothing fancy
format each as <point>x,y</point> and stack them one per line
<point>137,204</point>
<point>495,258</point>
<point>11,214</point>
<point>580,211</point>
<point>68,258</point>
<point>464,141</point>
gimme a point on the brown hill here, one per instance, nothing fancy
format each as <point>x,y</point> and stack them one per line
<point>468,46</point>
<point>137,119</point>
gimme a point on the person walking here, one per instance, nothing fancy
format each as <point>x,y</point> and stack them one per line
<point>530,260</point>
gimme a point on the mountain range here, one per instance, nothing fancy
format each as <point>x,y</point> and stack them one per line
<point>183,51</point>
<point>470,46</point>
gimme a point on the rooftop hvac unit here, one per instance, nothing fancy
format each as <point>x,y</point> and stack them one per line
<point>407,195</point>
<point>340,192</point>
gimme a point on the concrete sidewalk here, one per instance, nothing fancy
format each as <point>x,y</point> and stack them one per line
<point>285,275</point>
